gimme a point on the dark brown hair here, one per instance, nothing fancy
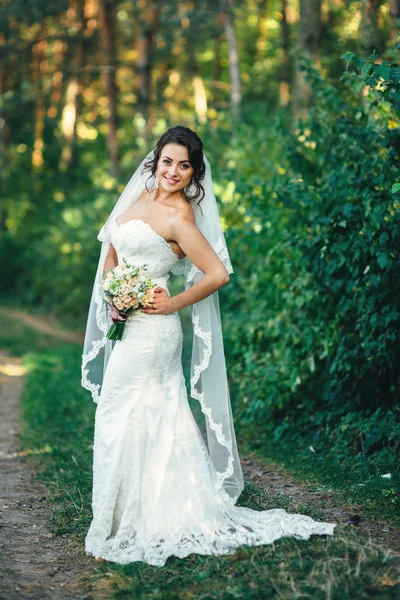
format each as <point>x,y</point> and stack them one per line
<point>190,140</point>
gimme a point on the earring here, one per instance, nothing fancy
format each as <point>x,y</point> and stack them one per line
<point>190,189</point>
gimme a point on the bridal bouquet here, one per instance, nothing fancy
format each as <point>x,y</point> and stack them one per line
<point>129,288</point>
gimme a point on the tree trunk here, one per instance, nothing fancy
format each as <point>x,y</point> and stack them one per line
<point>395,14</point>
<point>199,91</point>
<point>285,36</point>
<point>371,35</point>
<point>148,22</point>
<point>262,28</point>
<point>233,55</point>
<point>60,49</point>
<point>107,37</point>
<point>308,44</point>
<point>73,94</point>
<point>3,125</point>
<point>217,56</point>
<point>38,65</point>
<point>394,9</point>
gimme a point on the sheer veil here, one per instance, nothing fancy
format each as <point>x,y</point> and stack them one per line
<point>208,377</point>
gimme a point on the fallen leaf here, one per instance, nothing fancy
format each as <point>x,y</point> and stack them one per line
<point>387,581</point>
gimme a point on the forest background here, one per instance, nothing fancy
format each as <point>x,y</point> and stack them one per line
<point>297,103</point>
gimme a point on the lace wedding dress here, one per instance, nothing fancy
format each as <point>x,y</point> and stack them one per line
<point>154,485</point>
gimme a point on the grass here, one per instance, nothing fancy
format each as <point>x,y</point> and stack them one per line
<point>59,415</point>
<point>354,480</point>
<point>66,322</point>
<point>16,338</point>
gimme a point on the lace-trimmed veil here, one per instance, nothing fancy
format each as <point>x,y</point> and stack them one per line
<point>208,378</point>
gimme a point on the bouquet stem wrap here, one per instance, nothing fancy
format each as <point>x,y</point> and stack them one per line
<point>116,331</point>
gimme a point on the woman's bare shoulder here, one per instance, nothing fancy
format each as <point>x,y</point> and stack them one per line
<point>183,212</point>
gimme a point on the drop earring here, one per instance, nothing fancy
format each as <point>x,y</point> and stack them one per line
<point>190,189</point>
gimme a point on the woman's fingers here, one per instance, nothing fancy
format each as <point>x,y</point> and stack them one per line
<point>153,307</point>
<point>116,315</point>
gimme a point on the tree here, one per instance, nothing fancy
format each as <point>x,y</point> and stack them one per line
<point>74,89</point>
<point>108,35</point>
<point>147,24</point>
<point>308,44</point>
<point>371,37</point>
<point>38,65</point>
<point>233,57</point>
<point>285,36</point>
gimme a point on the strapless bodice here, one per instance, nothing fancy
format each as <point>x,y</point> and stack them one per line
<point>137,242</point>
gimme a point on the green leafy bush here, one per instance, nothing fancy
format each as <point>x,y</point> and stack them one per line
<point>313,325</point>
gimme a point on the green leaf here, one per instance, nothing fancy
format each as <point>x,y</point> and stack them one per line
<point>383,238</point>
<point>395,188</point>
<point>359,62</point>
<point>383,260</point>
<point>366,68</point>
<point>383,71</point>
<point>348,57</point>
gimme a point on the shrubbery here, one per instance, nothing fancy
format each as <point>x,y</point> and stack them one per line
<point>313,326</point>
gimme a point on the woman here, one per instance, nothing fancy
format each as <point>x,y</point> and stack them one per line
<point>160,489</point>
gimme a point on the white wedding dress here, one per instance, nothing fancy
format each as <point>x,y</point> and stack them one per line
<point>154,492</point>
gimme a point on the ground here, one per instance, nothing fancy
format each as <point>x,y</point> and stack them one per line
<point>34,564</point>
<point>37,565</point>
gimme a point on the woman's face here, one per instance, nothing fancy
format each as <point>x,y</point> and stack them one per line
<point>174,170</point>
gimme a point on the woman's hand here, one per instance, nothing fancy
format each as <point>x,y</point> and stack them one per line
<point>117,315</point>
<point>162,303</point>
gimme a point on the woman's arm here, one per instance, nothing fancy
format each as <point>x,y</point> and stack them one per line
<point>199,251</point>
<point>111,259</point>
<point>110,262</point>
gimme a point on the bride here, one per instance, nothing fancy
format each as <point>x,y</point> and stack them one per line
<point>159,488</point>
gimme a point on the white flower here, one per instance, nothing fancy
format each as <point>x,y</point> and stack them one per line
<point>387,476</point>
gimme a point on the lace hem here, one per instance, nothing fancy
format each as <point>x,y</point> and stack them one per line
<point>249,527</point>
<point>85,381</point>
<point>217,428</point>
<point>97,345</point>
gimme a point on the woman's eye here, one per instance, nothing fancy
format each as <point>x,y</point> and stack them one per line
<point>185,166</point>
<point>166,161</point>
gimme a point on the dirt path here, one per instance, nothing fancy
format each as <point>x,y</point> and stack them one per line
<point>48,326</point>
<point>278,481</point>
<point>33,563</point>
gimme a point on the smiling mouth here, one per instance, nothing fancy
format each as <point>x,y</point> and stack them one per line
<point>171,181</point>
